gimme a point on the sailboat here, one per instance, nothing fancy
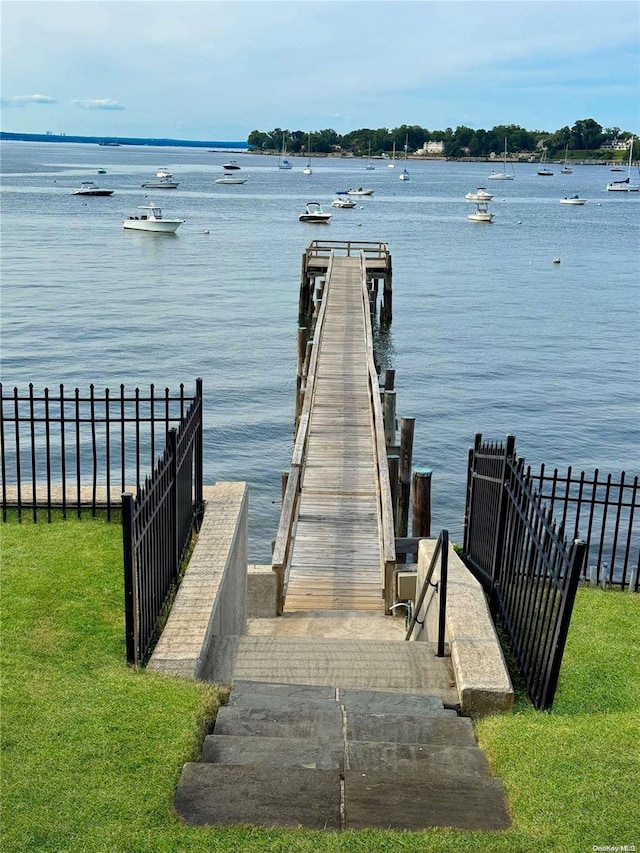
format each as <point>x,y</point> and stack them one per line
<point>405,175</point>
<point>566,170</point>
<point>307,169</point>
<point>504,175</point>
<point>369,167</point>
<point>283,163</point>
<point>625,186</point>
<point>543,169</point>
<point>392,164</point>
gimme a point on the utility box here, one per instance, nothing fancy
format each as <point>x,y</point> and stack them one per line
<point>406,586</point>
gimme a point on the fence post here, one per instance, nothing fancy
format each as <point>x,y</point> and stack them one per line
<point>172,450</point>
<point>199,460</point>
<point>130,581</point>
<point>578,551</point>
<point>471,464</point>
<point>496,561</point>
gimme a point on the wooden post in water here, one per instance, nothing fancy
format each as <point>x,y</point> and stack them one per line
<point>386,311</point>
<point>421,522</point>
<point>389,416</point>
<point>393,462</point>
<point>389,379</point>
<point>407,427</point>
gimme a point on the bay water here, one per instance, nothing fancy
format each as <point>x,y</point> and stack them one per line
<point>489,334</point>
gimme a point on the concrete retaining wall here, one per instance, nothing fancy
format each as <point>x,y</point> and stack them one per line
<point>211,603</point>
<point>481,674</point>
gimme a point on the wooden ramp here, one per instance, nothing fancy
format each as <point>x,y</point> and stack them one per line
<point>335,552</point>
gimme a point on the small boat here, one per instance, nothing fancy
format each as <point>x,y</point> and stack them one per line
<point>543,169</point>
<point>314,213</point>
<point>625,186</point>
<point>102,171</point>
<point>230,178</point>
<point>152,221</point>
<point>574,199</point>
<point>89,188</point>
<point>504,175</point>
<point>405,175</point>
<point>164,181</point>
<point>231,166</point>
<point>341,200</point>
<point>479,195</point>
<point>369,167</point>
<point>307,169</point>
<point>283,163</point>
<point>481,213</point>
<point>392,164</point>
<point>566,169</point>
<point>359,191</point>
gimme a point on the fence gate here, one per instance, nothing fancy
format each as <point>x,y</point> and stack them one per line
<point>526,566</point>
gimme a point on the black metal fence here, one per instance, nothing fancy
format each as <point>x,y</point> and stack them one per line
<point>63,450</point>
<point>88,454</point>
<point>157,526</point>
<point>521,556</point>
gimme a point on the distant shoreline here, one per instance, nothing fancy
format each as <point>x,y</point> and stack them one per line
<point>153,142</point>
<point>117,141</point>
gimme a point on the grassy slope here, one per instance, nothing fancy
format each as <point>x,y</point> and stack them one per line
<point>92,751</point>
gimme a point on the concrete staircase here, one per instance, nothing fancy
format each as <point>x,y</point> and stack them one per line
<point>331,757</point>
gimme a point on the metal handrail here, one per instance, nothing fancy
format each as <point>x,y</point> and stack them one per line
<point>442,545</point>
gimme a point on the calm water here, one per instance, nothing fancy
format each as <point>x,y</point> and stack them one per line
<point>489,335</point>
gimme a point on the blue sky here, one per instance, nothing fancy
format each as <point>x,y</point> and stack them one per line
<point>201,69</point>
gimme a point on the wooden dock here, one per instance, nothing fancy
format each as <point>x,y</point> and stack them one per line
<point>335,546</point>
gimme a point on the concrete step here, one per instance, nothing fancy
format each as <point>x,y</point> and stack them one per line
<point>421,797</point>
<point>413,799</point>
<point>447,760</point>
<point>310,753</point>
<point>282,722</point>
<point>404,728</point>
<point>227,795</point>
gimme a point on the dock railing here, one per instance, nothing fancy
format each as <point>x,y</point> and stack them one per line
<point>282,547</point>
<point>369,249</point>
<point>385,505</point>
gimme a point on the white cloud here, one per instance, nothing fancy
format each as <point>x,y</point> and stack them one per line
<point>25,100</point>
<point>99,104</point>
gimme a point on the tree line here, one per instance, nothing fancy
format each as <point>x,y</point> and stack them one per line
<point>584,135</point>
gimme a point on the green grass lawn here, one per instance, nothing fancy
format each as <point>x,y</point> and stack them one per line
<point>92,750</point>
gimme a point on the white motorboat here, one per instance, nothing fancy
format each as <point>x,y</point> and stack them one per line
<point>504,175</point>
<point>341,200</point>
<point>360,191</point>
<point>625,186</point>
<point>481,213</point>
<point>163,181</point>
<point>152,221</point>
<point>231,166</point>
<point>574,199</point>
<point>479,195</point>
<point>230,178</point>
<point>314,213</point>
<point>283,163</point>
<point>89,188</point>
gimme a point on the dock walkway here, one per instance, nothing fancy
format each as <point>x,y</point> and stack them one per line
<point>340,529</point>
